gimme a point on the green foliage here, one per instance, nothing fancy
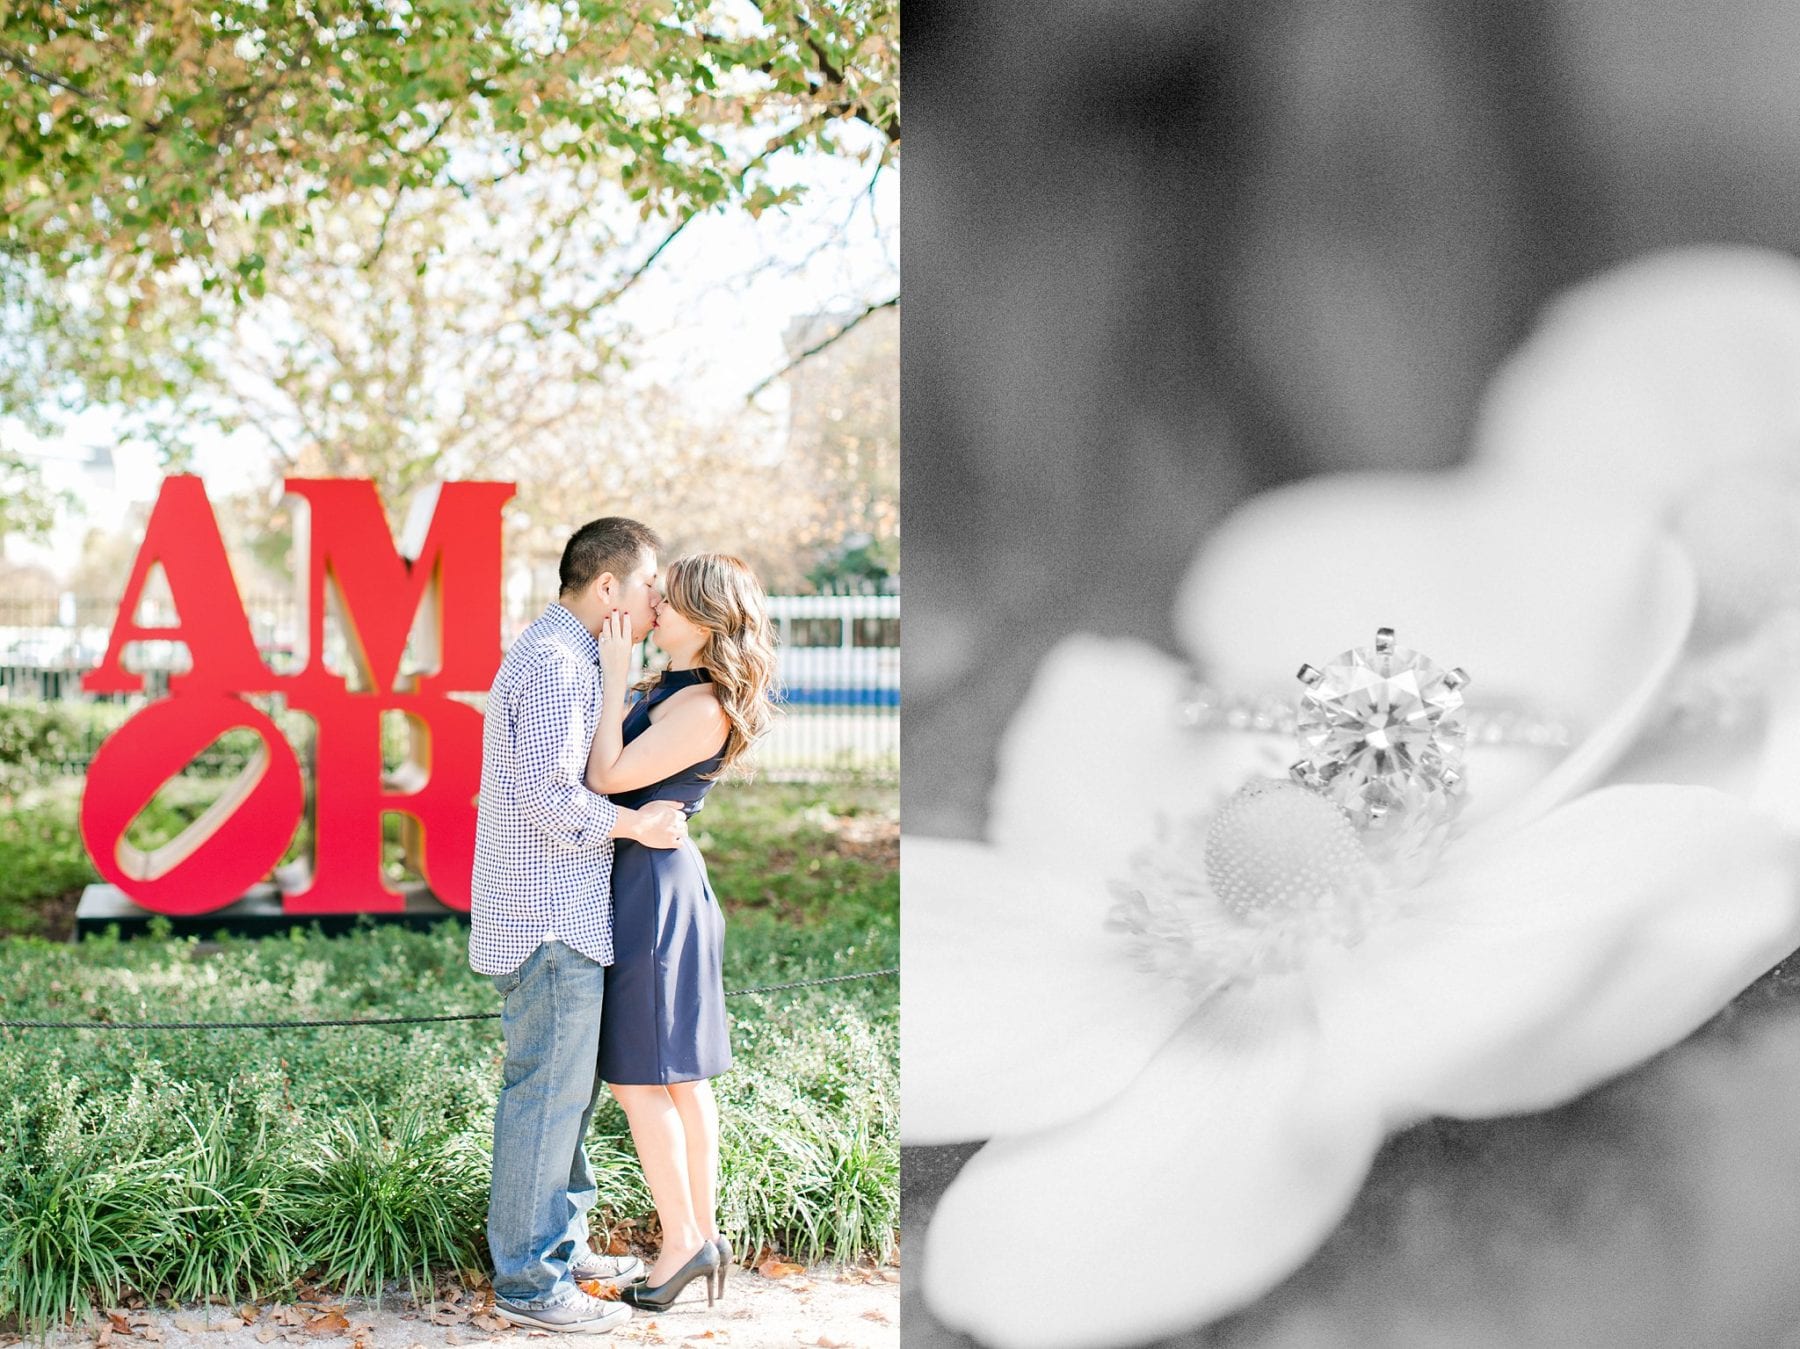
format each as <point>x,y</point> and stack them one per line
<point>162,171</point>
<point>40,741</point>
<point>377,1203</point>
<point>27,506</point>
<point>238,1237</point>
<point>88,1208</point>
<point>41,860</point>
<point>233,1163</point>
<point>201,135</point>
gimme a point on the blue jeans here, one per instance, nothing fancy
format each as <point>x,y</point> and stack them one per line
<point>543,1183</point>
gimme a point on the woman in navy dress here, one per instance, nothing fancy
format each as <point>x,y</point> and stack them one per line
<point>662,1026</point>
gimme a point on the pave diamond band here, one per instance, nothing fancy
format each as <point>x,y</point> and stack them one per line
<point>1205,708</point>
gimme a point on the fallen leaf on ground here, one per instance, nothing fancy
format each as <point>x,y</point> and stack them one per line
<point>249,1313</point>
<point>778,1269</point>
<point>489,1322</point>
<point>104,1338</point>
<point>150,1333</point>
<point>449,1316</point>
<point>452,1337</point>
<point>331,1323</point>
<point>606,1292</point>
<point>288,1316</point>
<point>266,1334</point>
<point>876,1315</point>
<point>193,1325</point>
<point>119,1323</point>
<point>826,1342</point>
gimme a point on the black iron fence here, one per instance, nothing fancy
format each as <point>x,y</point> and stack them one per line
<point>838,669</point>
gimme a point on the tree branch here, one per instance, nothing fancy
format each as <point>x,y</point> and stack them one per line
<point>42,76</point>
<point>891,302</point>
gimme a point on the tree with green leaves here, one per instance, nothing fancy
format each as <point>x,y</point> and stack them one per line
<point>148,136</point>
<point>165,168</point>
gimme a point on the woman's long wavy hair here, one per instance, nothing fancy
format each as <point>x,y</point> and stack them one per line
<point>718,593</point>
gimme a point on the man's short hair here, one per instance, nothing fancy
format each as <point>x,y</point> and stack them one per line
<point>611,544</point>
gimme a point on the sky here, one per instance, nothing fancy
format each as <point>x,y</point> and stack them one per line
<point>710,317</point>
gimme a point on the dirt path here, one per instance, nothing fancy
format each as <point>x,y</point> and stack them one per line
<point>827,1306</point>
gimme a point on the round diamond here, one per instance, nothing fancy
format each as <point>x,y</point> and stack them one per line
<point>1381,733</point>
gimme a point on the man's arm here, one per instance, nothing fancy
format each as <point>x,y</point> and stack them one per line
<point>550,748</point>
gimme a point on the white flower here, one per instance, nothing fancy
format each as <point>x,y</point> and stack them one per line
<point>1674,382</point>
<point>1560,940</point>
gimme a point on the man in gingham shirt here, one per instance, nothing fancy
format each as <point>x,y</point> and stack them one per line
<point>541,926</point>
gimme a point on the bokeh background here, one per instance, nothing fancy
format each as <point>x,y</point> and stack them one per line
<point>1168,254</point>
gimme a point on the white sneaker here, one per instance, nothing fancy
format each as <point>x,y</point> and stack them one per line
<point>586,1264</point>
<point>577,1314</point>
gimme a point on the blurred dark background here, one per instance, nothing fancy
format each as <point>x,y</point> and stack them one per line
<point>1161,255</point>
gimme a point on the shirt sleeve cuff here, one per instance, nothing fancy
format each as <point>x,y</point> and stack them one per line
<point>601,816</point>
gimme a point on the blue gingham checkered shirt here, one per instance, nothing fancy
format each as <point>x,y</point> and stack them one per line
<point>543,841</point>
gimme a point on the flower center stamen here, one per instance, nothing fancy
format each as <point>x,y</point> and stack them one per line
<point>1254,888</point>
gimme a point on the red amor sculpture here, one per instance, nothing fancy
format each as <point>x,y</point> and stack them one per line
<point>448,563</point>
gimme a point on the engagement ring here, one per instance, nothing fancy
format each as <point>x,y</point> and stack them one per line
<point>1381,733</point>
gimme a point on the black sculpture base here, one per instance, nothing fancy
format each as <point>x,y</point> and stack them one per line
<point>257,914</point>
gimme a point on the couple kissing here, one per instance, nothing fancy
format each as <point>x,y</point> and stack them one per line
<point>593,915</point>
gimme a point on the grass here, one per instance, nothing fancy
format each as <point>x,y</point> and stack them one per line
<point>186,1165</point>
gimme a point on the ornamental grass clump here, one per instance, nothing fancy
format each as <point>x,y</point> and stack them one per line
<point>378,1204</point>
<point>83,1224</point>
<point>237,1237</point>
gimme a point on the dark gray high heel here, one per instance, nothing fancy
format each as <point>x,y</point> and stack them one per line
<point>723,1247</point>
<point>705,1261</point>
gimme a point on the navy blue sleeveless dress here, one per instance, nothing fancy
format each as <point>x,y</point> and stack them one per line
<point>663,1017</point>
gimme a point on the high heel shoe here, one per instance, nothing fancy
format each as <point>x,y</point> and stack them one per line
<point>723,1247</point>
<point>704,1262</point>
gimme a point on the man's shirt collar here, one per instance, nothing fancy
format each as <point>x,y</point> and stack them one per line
<point>585,641</point>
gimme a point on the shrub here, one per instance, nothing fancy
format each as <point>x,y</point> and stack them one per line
<point>230,1164</point>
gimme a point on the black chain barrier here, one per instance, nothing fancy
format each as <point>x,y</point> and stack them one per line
<point>387,1020</point>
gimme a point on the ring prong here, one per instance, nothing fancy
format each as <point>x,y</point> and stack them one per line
<point>1299,771</point>
<point>1453,782</point>
<point>1384,641</point>
<point>1310,676</point>
<point>1457,677</point>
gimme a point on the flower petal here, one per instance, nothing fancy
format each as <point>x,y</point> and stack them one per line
<point>1663,624</point>
<point>1017,1010</point>
<point>1654,374</point>
<point>1211,1177</point>
<point>1578,614</point>
<point>1545,963</point>
<point>1777,790</point>
<point>1094,755</point>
